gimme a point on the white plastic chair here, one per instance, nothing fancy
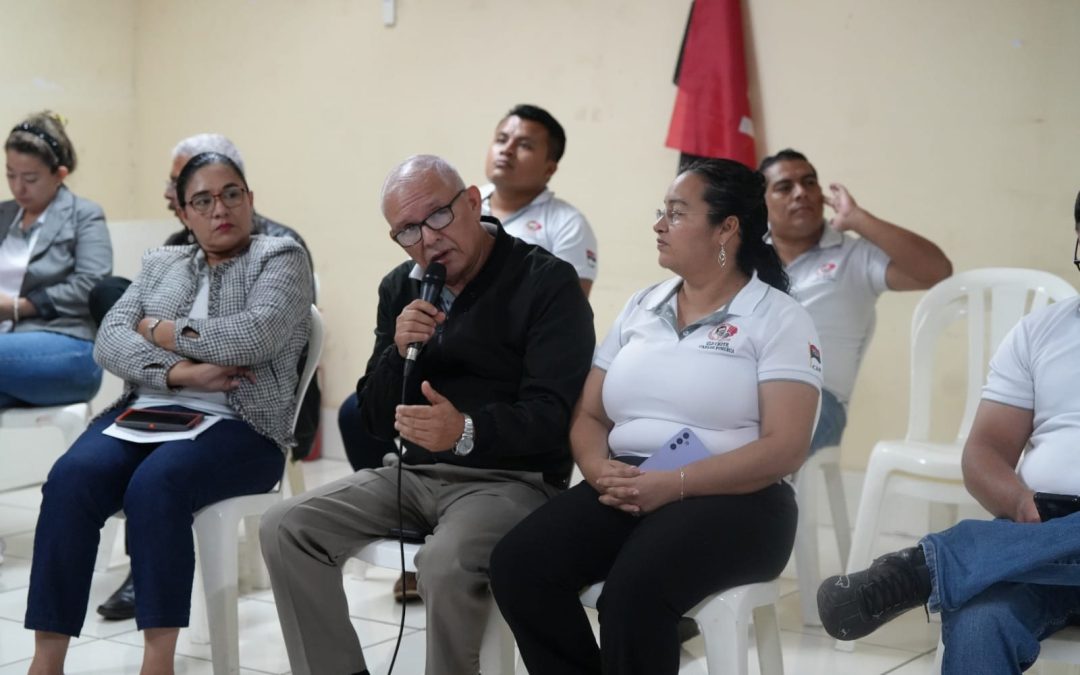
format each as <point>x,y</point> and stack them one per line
<point>216,532</point>
<point>807,490</point>
<point>32,467</point>
<point>724,621</point>
<point>497,645</point>
<point>915,466</point>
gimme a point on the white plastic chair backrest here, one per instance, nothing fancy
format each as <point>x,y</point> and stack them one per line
<point>1011,293</point>
<point>314,352</point>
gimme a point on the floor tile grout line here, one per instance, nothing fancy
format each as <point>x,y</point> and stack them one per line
<point>909,661</point>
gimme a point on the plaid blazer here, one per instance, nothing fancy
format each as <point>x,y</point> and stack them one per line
<point>259,316</point>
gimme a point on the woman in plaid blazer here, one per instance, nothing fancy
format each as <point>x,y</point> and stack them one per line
<point>215,327</point>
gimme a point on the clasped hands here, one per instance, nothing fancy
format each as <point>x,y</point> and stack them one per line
<point>629,489</point>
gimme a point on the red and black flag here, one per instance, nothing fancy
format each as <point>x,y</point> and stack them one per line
<point>712,107</point>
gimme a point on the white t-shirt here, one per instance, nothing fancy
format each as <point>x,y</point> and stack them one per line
<point>1037,367</point>
<point>838,282</point>
<point>15,253</point>
<point>553,225</point>
<point>706,377</point>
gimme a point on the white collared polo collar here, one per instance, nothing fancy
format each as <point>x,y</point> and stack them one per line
<point>743,304</point>
<point>829,237</point>
<point>485,197</point>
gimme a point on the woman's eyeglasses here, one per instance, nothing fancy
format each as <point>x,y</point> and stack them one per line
<point>231,197</point>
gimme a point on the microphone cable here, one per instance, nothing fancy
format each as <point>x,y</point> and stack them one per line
<point>431,287</point>
<point>401,519</point>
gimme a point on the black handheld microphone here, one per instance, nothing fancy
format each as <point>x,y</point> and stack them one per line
<point>430,289</point>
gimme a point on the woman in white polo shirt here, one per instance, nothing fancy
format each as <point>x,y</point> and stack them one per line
<point>720,350</point>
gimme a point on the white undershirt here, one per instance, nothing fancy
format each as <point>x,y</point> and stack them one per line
<point>15,253</point>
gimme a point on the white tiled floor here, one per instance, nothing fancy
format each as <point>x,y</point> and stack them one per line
<point>904,647</point>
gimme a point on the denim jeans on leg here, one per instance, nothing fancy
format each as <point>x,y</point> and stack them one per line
<point>159,486</point>
<point>41,368</point>
<point>1001,587</point>
<point>831,422</point>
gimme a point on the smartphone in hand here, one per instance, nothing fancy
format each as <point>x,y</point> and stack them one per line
<point>1050,505</point>
<point>147,419</point>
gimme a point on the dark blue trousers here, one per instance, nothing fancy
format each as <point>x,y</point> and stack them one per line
<point>159,486</point>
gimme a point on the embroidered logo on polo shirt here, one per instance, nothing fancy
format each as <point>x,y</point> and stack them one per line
<point>720,338</point>
<point>815,358</point>
<point>590,256</point>
<point>828,270</point>
<point>533,226</point>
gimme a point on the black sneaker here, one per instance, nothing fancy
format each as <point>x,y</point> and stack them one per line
<point>852,606</point>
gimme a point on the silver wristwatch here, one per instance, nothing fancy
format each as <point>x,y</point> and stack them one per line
<point>465,443</point>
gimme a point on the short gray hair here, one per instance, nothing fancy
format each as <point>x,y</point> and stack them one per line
<point>200,143</point>
<point>413,168</point>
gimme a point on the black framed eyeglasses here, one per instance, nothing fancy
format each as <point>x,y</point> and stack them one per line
<point>1076,254</point>
<point>231,197</point>
<point>411,234</point>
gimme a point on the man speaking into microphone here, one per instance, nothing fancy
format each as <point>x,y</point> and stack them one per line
<point>499,357</point>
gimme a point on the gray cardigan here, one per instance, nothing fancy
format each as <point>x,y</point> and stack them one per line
<point>259,316</point>
<point>72,253</point>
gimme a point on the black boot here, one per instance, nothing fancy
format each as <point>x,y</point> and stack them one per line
<point>854,605</point>
<point>121,604</point>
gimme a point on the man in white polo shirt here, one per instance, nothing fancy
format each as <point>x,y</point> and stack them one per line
<point>838,277</point>
<point>1001,585</point>
<point>523,157</point>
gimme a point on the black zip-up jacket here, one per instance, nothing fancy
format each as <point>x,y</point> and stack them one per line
<point>513,353</point>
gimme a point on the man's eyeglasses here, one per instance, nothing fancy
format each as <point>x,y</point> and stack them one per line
<point>231,197</point>
<point>410,235</point>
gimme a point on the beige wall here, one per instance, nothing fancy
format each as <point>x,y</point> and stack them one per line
<point>323,100</point>
<point>958,120</point>
<point>76,58</point>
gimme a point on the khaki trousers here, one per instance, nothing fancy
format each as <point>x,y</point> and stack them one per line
<point>306,540</point>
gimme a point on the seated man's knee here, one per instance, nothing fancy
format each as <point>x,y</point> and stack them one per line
<point>446,564</point>
<point>275,522</point>
<point>990,622</point>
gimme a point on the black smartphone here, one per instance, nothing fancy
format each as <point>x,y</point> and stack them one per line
<point>146,419</point>
<point>409,536</point>
<point>1051,505</point>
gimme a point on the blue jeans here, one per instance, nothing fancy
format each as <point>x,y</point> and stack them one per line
<point>159,487</point>
<point>831,422</point>
<point>1001,587</point>
<point>41,368</point>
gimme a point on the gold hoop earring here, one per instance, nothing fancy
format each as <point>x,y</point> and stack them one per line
<point>722,258</point>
